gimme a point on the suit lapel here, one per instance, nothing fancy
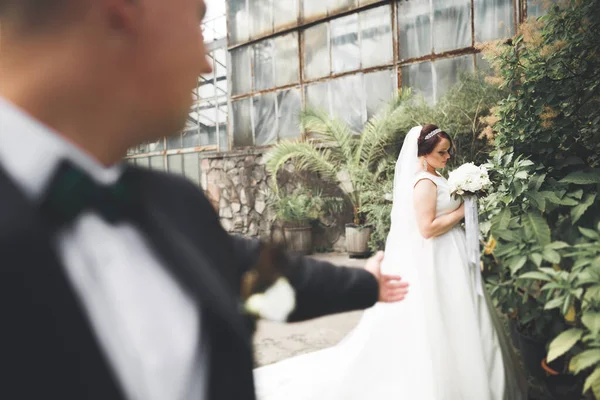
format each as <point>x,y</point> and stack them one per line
<point>191,266</point>
<point>54,344</point>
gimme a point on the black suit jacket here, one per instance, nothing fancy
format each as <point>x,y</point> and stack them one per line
<point>48,348</point>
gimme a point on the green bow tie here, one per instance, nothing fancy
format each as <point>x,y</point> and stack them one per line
<point>72,191</point>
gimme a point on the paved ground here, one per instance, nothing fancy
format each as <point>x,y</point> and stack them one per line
<point>274,342</point>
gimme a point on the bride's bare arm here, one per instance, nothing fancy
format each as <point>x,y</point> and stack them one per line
<point>425,195</point>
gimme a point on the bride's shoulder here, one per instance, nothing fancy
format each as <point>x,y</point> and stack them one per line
<point>421,175</point>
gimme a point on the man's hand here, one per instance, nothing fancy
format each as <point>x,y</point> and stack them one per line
<point>391,287</point>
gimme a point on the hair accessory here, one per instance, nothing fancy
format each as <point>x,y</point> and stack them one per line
<point>432,133</point>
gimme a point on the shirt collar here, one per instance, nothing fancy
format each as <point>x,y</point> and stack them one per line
<point>31,151</point>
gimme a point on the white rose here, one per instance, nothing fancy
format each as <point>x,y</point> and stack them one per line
<point>275,304</point>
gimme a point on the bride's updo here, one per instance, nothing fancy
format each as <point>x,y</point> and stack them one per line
<point>427,145</point>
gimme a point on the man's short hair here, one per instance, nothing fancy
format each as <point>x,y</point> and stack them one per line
<point>31,15</point>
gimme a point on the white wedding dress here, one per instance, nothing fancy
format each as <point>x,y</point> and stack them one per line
<point>443,342</point>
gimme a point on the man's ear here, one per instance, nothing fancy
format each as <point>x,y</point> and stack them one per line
<point>125,15</point>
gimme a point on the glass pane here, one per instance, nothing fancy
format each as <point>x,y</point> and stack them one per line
<point>482,64</point>
<point>345,53</point>
<point>317,96</point>
<point>223,138</point>
<point>240,74</point>
<point>208,124</point>
<point>347,100</point>
<point>313,9</point>
<point>220,57</point>
<point>143,162</point>
<point>316,52</point>
<point>191,138</point>
<point>206,88</point>
<point>494,19</point>
<point>222,113</point>
<point>379,89</point>
<point>143,148</point>
<point>174,141</point>
<point>157,163</point>
<point>208,137</point>
<point>419,77</point>
<point>265,119</point>
<point>175,163</point>
<point>535,8</point>
<point>336,6</point>
<point>159,145</point>
<point>242,123</point>
<point>285,14</point>
<point>263,65</point>
<point>214,25</point>
<point>414,20</point>
<point>238,21</point>
<point>447,71</point>
<point>376,36</point>
<point>286,59</point>
<point>191,167</point>
<point>261,17</point>
<point>289,104</point>
<point>206,83</point>
<point>452,25</point>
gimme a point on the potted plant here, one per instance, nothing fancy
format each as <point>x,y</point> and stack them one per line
<point>297,212</point>
<point>343,158</point>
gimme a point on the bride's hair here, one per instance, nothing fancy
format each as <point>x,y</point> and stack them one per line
<point>426,146</point>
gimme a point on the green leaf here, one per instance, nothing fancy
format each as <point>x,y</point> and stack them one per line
<point>554,303</point>
<point>578,194</point>
<point>521,175</point>
<point>557,245</point>
<point>537,275</point>
<point>563,343</point>
<point>580,209</point>
<point>591,234</point>
<point>516,263</point>
<point>593,382</point>
<point>582,178</point>
<point>552,286</point>
<point>505,234</point>
<point>537,228</point>
<point>538,199</point>
<point>536,258</point>
<point>551,255</point>
<point>584,360</point>
<point>536,181</point>
<point>551,197</point>
<point>591,320</point>
<point>502,219</point>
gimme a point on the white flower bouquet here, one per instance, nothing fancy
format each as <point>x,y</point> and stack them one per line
<point>468,179</point>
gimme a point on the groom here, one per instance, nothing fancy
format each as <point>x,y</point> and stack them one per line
<point>119,283</point>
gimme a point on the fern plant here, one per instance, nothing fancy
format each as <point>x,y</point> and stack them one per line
<point>340,156</point>
<point>302,208</point>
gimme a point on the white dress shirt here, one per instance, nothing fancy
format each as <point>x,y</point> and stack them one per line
<point>148,327</point>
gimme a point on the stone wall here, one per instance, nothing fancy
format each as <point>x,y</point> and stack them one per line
<point>238,186</point>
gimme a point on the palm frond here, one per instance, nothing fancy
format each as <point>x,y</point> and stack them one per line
<point>382,129</point>
<point>329,131</point>
<point>305,157</point>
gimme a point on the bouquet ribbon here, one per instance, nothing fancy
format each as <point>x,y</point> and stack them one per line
<point>473,249</point>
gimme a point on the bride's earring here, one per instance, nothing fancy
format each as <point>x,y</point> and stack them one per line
<point>425,165</point>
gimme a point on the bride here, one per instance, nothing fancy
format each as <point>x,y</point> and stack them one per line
<point>444,341</point>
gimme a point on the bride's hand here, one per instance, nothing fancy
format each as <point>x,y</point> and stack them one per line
<point>391,287</point>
